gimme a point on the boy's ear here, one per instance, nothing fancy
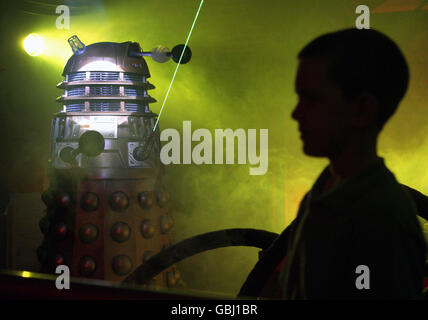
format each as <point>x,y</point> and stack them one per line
<point>365,108</point>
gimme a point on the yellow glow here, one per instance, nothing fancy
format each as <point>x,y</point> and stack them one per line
<point>56,49</point>
<point>26,274</point>
<point>33,44</point>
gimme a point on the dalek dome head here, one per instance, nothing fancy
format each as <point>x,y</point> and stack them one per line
<point>106,56</point>
<point>105,77</point>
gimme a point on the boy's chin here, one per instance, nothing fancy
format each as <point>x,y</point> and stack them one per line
<point>314,152</point>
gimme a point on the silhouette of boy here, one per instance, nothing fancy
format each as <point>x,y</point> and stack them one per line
<point>356,234</point>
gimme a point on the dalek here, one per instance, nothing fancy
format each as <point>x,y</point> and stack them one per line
<point>107,210</point>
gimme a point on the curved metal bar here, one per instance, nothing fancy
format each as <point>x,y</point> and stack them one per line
<point>197,244</point>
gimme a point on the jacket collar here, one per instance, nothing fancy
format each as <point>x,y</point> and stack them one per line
<point>352,188</point>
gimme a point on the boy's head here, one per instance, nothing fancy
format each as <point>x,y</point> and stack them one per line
<point>349,84</point>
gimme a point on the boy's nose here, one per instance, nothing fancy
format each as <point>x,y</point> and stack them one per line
<point>297,112</point>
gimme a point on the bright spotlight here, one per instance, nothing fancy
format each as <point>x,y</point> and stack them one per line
<point>33,44</point>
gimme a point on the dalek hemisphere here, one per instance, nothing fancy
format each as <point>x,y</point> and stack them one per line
<point>107,209</point>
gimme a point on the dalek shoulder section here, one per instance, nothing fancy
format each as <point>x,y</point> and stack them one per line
<point>128,142</point>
